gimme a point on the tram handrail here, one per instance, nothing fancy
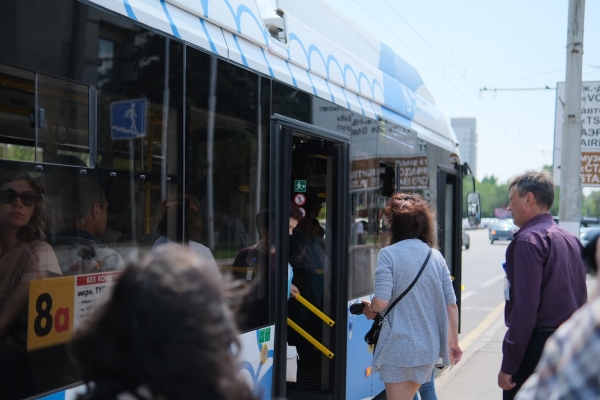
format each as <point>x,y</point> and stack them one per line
<point>315,310</point>
<point>311,339</point>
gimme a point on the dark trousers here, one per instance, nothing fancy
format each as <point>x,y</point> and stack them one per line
<point>533,353</point>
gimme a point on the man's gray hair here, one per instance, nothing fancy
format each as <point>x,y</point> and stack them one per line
<point>539,183</point>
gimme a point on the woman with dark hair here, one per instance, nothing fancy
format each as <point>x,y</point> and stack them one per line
<point>24,257</point>
<point>166,333</point>
<point>423,326</point>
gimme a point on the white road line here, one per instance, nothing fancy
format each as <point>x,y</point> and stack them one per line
<point>467,294</point>
<point>490,282</point>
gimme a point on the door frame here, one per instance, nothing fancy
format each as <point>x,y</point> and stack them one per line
<point>454,176</point>
<point>282,128</point>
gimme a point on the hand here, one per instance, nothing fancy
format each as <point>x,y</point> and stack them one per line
<point>294,291</point>
<point>455,352</point>
<point>505,381</point>
<point>367,310</point>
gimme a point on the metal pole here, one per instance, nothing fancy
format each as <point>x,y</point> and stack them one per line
<point>570,180</point>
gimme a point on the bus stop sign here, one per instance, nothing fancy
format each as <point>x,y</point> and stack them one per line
<point>128,119</point>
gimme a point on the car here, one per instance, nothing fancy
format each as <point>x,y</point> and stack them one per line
<point>504,229</point>
<point>466,239</point>
<point>587,234</point>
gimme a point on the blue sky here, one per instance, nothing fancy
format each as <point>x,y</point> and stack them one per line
<point>462,46</point>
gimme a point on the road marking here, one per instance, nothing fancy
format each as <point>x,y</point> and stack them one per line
<point>485,324</point>
<point>490,282</point>
<point>467,294</point>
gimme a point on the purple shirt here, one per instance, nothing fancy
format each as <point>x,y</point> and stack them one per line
<point>547,284</point>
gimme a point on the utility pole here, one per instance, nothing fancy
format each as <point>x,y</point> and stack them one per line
<point>570,180</point>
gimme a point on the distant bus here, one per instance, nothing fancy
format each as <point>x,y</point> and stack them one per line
<point>164,100</point>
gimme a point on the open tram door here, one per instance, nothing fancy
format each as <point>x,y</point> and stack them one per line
<point>449,204</point>
<point>310,168</point>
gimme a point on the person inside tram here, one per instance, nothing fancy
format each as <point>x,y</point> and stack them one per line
<point>172,211</point>
<point>77,246</point>
<point>167,332</point>
<point>261,254</point>
<point>308,261</point>
<point>24,257</point>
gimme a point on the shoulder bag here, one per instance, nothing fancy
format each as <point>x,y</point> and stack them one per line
<point>373,335</point>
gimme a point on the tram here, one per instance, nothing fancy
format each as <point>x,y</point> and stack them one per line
<point>205,103</point>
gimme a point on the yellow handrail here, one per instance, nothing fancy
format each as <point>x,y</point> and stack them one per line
<point>315,310</point>
<point>311,339</point>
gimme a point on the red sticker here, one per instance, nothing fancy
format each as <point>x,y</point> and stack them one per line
<point>299,199</point>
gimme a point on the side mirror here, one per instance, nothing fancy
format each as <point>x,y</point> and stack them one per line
<point>473,208</point>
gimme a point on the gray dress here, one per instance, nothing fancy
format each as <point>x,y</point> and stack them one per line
<point>414,335</point>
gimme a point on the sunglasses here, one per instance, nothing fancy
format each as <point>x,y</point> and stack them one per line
<point>8,195</point>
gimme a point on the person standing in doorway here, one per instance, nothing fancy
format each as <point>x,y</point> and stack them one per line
<point>545,279</point>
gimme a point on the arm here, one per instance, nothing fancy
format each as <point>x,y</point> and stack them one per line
<point>527,269</point>
<point>453,346</point>
<point>384,285</point>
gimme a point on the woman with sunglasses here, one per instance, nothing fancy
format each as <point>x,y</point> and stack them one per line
<point>24,257</point>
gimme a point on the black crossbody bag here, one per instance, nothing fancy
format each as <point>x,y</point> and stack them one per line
<point>373,335</point>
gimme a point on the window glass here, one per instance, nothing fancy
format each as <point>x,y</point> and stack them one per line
<point>227,174</point>
<point>364,239</point>
<point>108,158</point>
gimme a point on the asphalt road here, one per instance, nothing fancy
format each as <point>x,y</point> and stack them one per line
<point>482,279</point>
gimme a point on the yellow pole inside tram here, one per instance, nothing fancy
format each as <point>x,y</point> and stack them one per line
<point>311,339</point>
<point>315,310</point>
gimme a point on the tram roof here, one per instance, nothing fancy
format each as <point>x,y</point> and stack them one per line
<point>319,51</point>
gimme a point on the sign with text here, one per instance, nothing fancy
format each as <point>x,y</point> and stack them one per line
<point>413,172</point>
<point>58,305</point>
<point>590,132</point>
<point>364,174</point>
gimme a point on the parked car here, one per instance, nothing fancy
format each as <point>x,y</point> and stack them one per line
<point>587,234</point>
<point>466,239</point>
<point>502,230</point>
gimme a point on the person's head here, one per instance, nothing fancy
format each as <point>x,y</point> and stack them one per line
<point>168,327</point>
<point>86,207</point>
<point>295,217</point>
<point>530,194</point>
<point>409,216</point>
<point>21,205</point>
<point>262,224</point>
<point>173,210</point>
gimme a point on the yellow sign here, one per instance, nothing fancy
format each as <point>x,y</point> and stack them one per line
<point>50,319</point>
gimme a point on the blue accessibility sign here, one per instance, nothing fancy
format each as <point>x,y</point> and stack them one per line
<point>128,119</point>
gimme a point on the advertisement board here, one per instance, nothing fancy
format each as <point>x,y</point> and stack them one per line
<point>590,132</point>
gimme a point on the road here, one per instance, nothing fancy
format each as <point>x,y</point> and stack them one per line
<point>482,279</point>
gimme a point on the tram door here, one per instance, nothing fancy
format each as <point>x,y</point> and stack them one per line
<point>317,176</point>
<point>449,203</point>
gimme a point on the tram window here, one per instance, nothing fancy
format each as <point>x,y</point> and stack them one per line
<point>42,116</point>
<point>228,169</point>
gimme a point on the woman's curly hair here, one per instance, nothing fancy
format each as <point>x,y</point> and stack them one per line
<point>409,216</point>
<point>34,230</point>
<point>167,328</point>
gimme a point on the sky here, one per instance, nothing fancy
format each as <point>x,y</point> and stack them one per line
<point>462,46</point>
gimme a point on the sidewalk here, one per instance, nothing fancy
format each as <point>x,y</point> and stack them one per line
<point>476,376</point>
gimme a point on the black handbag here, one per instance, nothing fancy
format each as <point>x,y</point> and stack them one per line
<point>373,335</point>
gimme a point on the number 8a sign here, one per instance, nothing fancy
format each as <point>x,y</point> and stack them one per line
<point>50,317</point>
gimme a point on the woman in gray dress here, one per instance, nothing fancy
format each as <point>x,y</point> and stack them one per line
<point>423,326</point>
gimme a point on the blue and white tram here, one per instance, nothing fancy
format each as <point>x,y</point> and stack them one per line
<point>204,100</point>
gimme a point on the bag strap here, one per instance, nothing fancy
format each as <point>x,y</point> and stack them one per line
<point>411,285</point>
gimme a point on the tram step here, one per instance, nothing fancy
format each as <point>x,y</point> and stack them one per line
<point>293,394</point>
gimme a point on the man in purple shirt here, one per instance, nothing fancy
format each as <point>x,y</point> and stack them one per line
<point>546,279</point>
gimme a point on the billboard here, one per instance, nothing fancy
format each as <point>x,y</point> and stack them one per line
<point>590,132</point>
